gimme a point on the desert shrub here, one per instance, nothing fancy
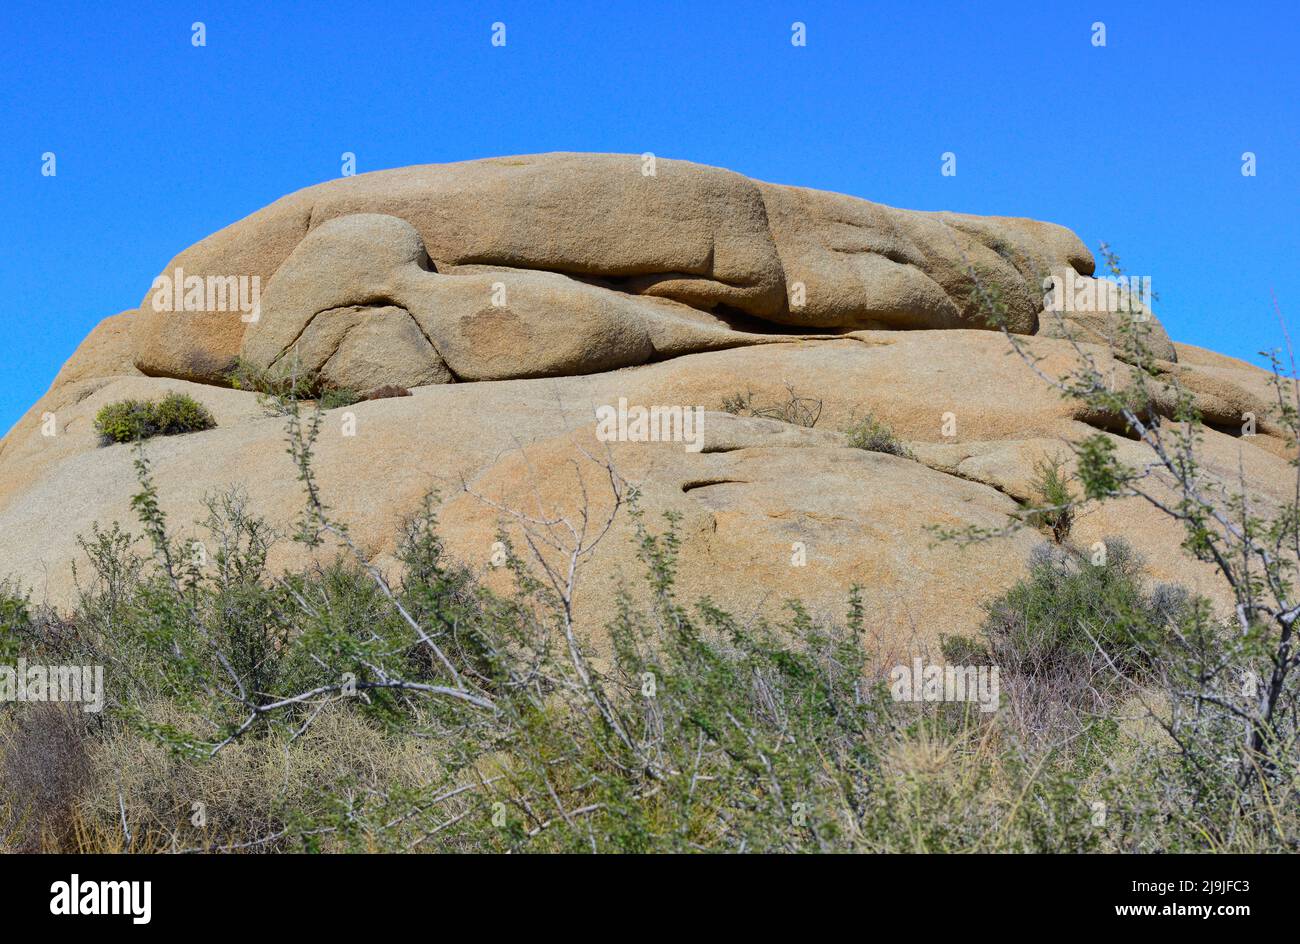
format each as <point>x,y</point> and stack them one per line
<point>283,381</point>
<point>962,650</point>
<point>286,383</point>
<point>1073,639</point>
<point>15,620</point>
<point>1070,612</point>
<point>335,397</point>
<point>873,435</point>
<point>792,408</point>
<point>178,413</point>
<point>124,421</point>
<point>135,420</point>
<point>1054,507</point>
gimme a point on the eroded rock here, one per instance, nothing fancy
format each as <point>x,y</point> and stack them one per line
<point>592,248</point>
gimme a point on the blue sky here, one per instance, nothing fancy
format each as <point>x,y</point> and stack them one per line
<point>1139,143</point>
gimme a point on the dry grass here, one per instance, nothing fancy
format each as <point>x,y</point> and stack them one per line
<point>131,793</point>
<point>45,760</point>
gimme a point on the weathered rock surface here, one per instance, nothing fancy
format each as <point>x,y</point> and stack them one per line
<point>737,256</point>
<point>359,294</point>
<point>517,296</point>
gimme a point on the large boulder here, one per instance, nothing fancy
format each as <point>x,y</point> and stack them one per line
<point>854,264</point>
<point>522,299</point>
<point>358,300</point>
<point>581,238</point>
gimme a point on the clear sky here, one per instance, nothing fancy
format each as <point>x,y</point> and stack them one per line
<point>1139,143</point>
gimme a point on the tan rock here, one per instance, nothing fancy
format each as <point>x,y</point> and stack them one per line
<point>1108,314</point>
<point>520,297</point>
<point>755,488</point>
<point>863,265</point>
<point>723,247</point>
<point>361,288</point>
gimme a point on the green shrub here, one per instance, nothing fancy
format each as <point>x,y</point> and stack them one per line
<point>336,397</point>
<point>178,413</point>
<point>124,421</point>
<point>875,436</point>
<point>281,381</point>
<point>1070,612</point>
<point>286,383</point>
<point>1054,508</point>
<point>133,420</point>
<point>961,650</point>
<point>15,620</point>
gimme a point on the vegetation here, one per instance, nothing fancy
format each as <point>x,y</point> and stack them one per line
<point>792,408</point>
<point>333,708</point>
<point>329,709</point>
<point>867,433</point>
<point>134,420</point>
<point>1055,508</point>
<point>1226,693</point>
<point>286,384</point>
<point>337,397</point>
<point>873,435</point>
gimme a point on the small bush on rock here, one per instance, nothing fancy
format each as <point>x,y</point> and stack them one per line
<point>336,397</point>
<point>1055,508</point>
<point>177,413</point>
<point>124,421</point>
<point>875,436</point>
<point>133,420</point>
<point>284,384</point>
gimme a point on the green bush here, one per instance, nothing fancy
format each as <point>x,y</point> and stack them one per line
<point>286,383</point>
<point>874,435</point>
<point>124,421</point>
<point>1077,610</point>
<point>133,420</point>
<point>335,397</point>
<point>282,381</point>
<point>1054,507</point>
<point>178,413</point>
<point>15,620</point>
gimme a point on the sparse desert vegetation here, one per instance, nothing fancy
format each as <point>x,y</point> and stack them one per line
<point>332,709</point>
<point>132,420</point>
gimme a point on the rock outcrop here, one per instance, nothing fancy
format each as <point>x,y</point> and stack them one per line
<point>600,265</point>
<point>517,296</point>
